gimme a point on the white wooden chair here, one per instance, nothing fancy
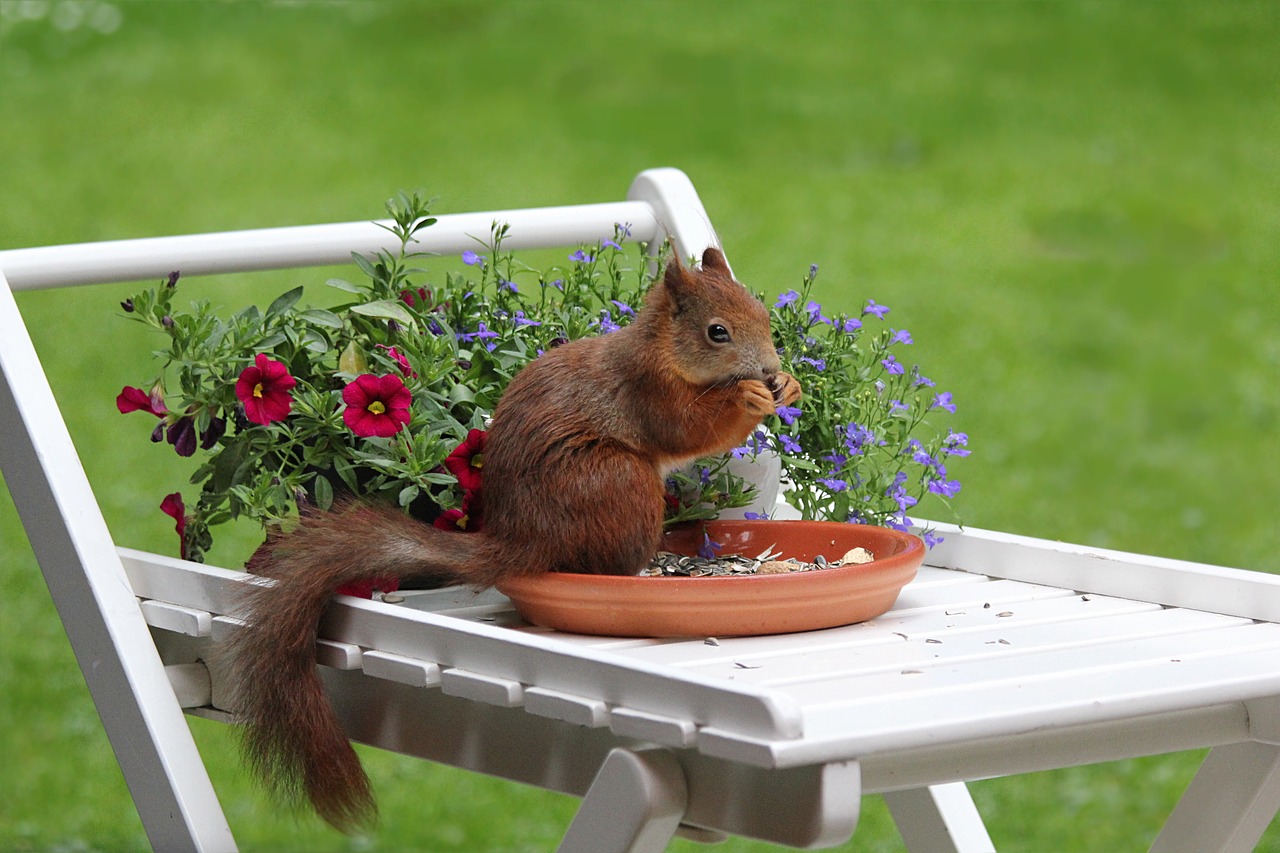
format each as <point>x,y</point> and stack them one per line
<point>1006,655</point>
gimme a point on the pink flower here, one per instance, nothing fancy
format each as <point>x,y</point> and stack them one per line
<point>173,507</point>
<point>137,400</point>
<point>399,359</point>
<point>467,460</point>
<point>264,389</point>
<point>376,405</point>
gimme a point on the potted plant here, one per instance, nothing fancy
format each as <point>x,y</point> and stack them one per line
<point>386,394</point>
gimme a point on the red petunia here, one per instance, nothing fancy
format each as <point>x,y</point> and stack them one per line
<point>467,460</point>
<point>468,518</point>
<point>264,390</point>
<point>364,588</point>
<point>376,405</point>
<point>413,297</point>
<point>173,507</point>
<point>137,400</point>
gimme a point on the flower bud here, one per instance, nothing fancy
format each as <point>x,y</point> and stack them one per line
<point>182,435</point>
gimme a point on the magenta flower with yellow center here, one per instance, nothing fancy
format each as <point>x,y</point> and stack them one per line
<point>376,405</point>
<point>467,460</point>
<point>265,390</point>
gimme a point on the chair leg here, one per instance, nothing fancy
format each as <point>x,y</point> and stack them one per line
<point>112,643</point>
<point>1228,805</point>
<point>634,805</point>
<point>939,819</point>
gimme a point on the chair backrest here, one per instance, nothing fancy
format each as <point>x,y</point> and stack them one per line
<point>68,534</point>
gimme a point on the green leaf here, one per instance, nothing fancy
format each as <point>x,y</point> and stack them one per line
<point>365,265</point>
<point>346,472</point>
<point>321,317</point>
<point>461,394</point>
<point>272,341</point>
<point>315,342</point>
<point>323,492</point>
<point>385,310</point>
<point>284,302</point>
<point>216,334</point>
<point>408,494</point>
<point>228,464</point>
<point>343,284</point>
<point>353,360</point>
<point>250,315</point>
<point>802,463</point>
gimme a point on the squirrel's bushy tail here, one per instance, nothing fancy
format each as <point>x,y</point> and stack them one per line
<point>293,739</point>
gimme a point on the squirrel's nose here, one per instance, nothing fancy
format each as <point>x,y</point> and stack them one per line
<point>770,365</point>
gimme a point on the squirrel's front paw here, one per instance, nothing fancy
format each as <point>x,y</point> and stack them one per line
<point>757,397</point>
<point>785,389</point>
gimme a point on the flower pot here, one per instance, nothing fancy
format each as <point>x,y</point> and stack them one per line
<point>764,471</point>
<point>612,605</point>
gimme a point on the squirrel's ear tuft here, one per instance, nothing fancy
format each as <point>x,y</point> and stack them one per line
<point>713,259</point>
<point>679,283</point>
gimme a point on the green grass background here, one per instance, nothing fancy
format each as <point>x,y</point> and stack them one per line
<point>1072,206</point>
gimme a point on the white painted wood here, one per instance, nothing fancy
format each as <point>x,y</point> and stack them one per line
<point>578,710</point>
<point>646,726</point>
<point>634,806</point>
<point>458,600</point>
<point>1176,583</point>
<point>311,245</point>
<point>1229,804</point>
<point>939,819</point>
<point>1264,719</point>
<point>922,639</point>
<point>542,660</point>
<point>1039,749</point>
<point>185,584</point>
<point>900,711</point>
<point>815,806</point>
<point>1078,632</point>
<point>677,210</point>
<point>191,684</point>
<point>484,648</point>
<point>489,689</point>
<point>825,648</point>
<point>415,673</point>
<point>172,617</point>
<point>224,626</point>
<point>338,655</point>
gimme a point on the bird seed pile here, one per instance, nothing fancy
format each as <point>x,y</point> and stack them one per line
<point>668,565</point>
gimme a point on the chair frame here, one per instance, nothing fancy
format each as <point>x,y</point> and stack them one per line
<point>652,748</point>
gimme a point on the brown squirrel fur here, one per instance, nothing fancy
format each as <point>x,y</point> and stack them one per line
<point>573,470</point>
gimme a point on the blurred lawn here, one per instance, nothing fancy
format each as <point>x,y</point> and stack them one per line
<point>1072,206</point>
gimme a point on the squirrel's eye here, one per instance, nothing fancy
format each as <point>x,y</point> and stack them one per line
<point>717,334</point>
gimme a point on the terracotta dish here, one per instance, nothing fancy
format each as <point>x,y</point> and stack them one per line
<point>617,606</point>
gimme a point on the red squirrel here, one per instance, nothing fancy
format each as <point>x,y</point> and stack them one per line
<point>573,481</point>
